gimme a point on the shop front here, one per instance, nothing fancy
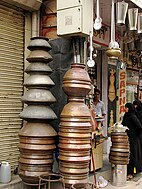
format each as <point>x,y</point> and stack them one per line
<point>15,32</point>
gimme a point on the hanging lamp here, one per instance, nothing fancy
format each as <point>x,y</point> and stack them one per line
<point>133,18</point>
<point>91,62</point>
<point>139,30</point>
<point>98,20</point>
<point>113,51</point>
<point>121,11</point>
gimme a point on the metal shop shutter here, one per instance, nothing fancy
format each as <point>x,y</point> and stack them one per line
<point>11,81</point>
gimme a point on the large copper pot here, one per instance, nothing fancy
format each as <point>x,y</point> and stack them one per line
<point>76,81</point>
<point>75,109</point>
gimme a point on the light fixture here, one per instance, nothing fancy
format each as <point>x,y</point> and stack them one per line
<point>113,51</point>
<point>139,23</point>
<point>121,11</point>
<point>98,20</point>
<point>91,62</point>
<point>132,17</point>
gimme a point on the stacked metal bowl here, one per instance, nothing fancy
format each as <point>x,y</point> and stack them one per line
<point>75,127</point>
<point>119,151</point>
<point>37,137</point>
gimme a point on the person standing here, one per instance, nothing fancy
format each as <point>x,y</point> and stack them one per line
<point>138,107</point>
<point>98,105</point>
<point>134,129</point>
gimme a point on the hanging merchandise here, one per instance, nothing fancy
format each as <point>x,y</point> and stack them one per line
<point>132,17</point>
<point>139,23</point>
<point>121,11</point>
<point>98,20</point>
<point>91,62</point>
<point>114,51</point>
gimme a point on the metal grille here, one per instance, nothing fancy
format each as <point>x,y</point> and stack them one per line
<point>11,81</point>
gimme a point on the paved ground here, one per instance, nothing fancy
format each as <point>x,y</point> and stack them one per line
<point>130,185</point>
<point>105,171</point>
<point>135,183</point>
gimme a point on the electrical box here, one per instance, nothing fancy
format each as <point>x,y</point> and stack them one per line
<point>74,17</point>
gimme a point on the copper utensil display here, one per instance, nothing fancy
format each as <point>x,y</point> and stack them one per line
<point>75,128</point>
<point>37,137</point>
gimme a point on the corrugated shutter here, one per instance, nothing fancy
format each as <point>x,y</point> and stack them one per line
<point>11,81</point>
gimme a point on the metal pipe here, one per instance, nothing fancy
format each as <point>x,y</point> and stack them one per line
<point>112,22</point>
<point>35,23</point>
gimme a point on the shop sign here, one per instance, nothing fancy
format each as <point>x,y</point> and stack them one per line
<point>121,94</point>
<point>102,36</point>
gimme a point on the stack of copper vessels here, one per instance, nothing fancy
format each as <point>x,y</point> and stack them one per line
<point>119,154</point>
<point>119,151</point>
<point>37,137</point>
<point>75,127</point>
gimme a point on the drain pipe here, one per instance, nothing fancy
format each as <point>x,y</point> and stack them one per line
<point>35,23</point>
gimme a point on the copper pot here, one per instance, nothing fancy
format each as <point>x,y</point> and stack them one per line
<point>38,67</point>
<point>119,134</point>
<point>38,140</point>
<point>37,129</point>
<point>118,158</point>
<point>73,153</point>
<point>38,112</point>
<point>72,177</point>
<point>77,165</point>
<point>32,168</point>
<point>73,171</point>
<point>31,177</point>
<point>38,96</point>
<point>74,159</point>
<point>74,141</point>
<point>72,130</point>
<point>69,182</point>
<point>77,125</point>
<point>119,162</point>
<point>36,162</point>
<point>123,154</point>
<point>37,156</point>
<point>119,149</point>
<point>75,119</point>
<point>39,43</point>
<point>38,80</point>
<point>119,140</point>
<point>75,135</point>
<point>74,146</point>
<point>38,55</point>
<point>75,109</point>
<point>36,147</point>
<point>76,81</point>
